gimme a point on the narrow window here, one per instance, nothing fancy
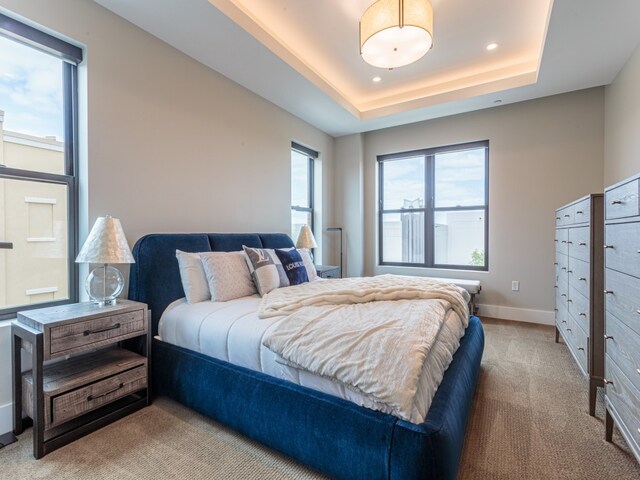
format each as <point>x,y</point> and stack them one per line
<point>38,186</point>
<point>302,159</point>
<point>433,207</point>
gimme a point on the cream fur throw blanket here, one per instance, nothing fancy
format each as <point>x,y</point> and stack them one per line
<point>371,334</point>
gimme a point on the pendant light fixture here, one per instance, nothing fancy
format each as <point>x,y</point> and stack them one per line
<point>394,33</point>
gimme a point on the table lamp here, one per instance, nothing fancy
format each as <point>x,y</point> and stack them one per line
<point>105,244</point>
<point>306,240</point>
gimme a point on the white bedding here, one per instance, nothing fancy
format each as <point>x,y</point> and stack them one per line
<point>232,331</point>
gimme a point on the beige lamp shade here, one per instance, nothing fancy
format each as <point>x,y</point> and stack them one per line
<point>106,243</point>
<point>394,33</point>
<point>306,238</point>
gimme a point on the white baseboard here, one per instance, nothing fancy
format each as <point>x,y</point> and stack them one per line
<point>6,418</point>
<point>543,317</point>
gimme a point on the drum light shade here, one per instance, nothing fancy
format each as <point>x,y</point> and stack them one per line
<point>394,33</point>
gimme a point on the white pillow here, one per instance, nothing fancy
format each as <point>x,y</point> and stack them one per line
<point>194,281</point>
<point>308,264</point>
<point>228,275</point>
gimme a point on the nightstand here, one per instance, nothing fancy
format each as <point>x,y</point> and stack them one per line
<point>328,271</point>
<point>98,379</point>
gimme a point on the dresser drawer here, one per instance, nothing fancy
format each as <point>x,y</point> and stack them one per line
<point>562,236</point>
<point>73,404</point>
<point>582,211</point>
<point>564,216</point>
<point>69,337</point>
<point>579,276</point>
<point>622,242</point>
<point>579,345</point>
<point>579,308</point>
<point>624,398</point>
<point>622,299</point>
<point>622,201</point>
<point>579,243</point>
<point>623,346</point>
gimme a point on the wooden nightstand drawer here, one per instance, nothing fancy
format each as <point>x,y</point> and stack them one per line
<point>73,336</point>
<point>78,402</point>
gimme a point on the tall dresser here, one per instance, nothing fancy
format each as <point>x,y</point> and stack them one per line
<point>622,304</point>
<point>579,283</point>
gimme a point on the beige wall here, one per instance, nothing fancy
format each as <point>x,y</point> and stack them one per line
<point>543,154</point>
<point>145,102</point>
<point>622,123</point>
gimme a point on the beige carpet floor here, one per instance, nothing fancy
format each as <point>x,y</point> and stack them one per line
<point>529,421</point>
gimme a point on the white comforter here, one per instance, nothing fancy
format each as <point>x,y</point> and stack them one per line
<point>371,334</point>
<point>233,332</point>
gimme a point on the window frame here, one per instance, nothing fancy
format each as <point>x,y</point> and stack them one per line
<point>71,56</point>
<point>311,155</point>
<point>429,210</point>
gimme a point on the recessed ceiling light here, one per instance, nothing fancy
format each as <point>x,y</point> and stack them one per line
<point>492,46</point>
<point>376,79</point>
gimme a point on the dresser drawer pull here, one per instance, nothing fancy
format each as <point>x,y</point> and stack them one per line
<point>563,268</point>
<point>555,286</point>
<point>609,246</point>
<point>608,292</point>
<point>94,397</point>
<point>567,216</point>
<point>582,279</point>
<point>569,271</point>
<point>557,218</point>
<point>579,212</point>
<point>100,330</point>
<point>582,314</point>
<point>569,242</point>
<point>555,309</point>
<point>569,300</point>
<point>608,337</point>
<point>563,321</point>
<point>607,382</point>
<point>617,202</point>
<point>583,244</point>
<point>563,241</point>
<point>568,329</point>
<point>581,348</point>
<point>563,294</point>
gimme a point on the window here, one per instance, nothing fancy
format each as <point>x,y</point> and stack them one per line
<point>38,189</point>
<point>302,159</point>
<point>433,207</point>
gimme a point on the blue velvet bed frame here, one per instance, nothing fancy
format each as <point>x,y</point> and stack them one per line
<point>332,435</point>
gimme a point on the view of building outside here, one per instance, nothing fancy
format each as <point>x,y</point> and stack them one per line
<point>301,201</point>
<point>33,217</point>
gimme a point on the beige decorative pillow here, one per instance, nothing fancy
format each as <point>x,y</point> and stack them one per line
<point>194,280</point>
<point>228,275</point>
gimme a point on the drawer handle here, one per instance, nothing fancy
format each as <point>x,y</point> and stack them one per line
<point>608,292</point>
<point>94,397</point>
<point>582,314</point>
<point>100,330</point>
<point>569,301</point>
<point>617,202</point>
<point>568,329</point>
<point>609,246</point>
<point>581,348</point>
<point>555,286</point>
<point>555,263</point>
<point>564,321</point>
<point>563,241</point>
<point>555,309</point>
<point>563,294</point>
<point>583,244</point>
<point>579,212</point>
<point>569,271</point>
<point>607,382</point>
<point>608,337</point>
<point>567,216</point>
<point>583,279</point>
<point>569,242</point>
<point>557,218</point>
<point>563,268</point>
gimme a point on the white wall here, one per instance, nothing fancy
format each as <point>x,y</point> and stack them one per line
<point>167,144</point>
<point>543,154</point>
<point>622,123</point>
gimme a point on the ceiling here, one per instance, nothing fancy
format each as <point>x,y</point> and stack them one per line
<point>303,55</point>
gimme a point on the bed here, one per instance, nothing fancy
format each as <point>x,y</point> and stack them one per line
<point>328,433</point>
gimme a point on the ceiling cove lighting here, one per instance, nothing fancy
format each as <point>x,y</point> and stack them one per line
<point>492,46</point>
<point>395,33</point>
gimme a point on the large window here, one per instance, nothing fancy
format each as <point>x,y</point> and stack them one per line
<point>301,188</point>
<point>38,190</point>
<point>433,207</point>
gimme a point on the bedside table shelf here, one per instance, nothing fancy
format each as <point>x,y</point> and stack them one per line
<point>75,396</point>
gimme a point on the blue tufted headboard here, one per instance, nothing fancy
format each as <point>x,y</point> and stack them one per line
<point>155,277</point>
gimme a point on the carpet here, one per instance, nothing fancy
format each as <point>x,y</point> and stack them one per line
<point>529,421</point>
